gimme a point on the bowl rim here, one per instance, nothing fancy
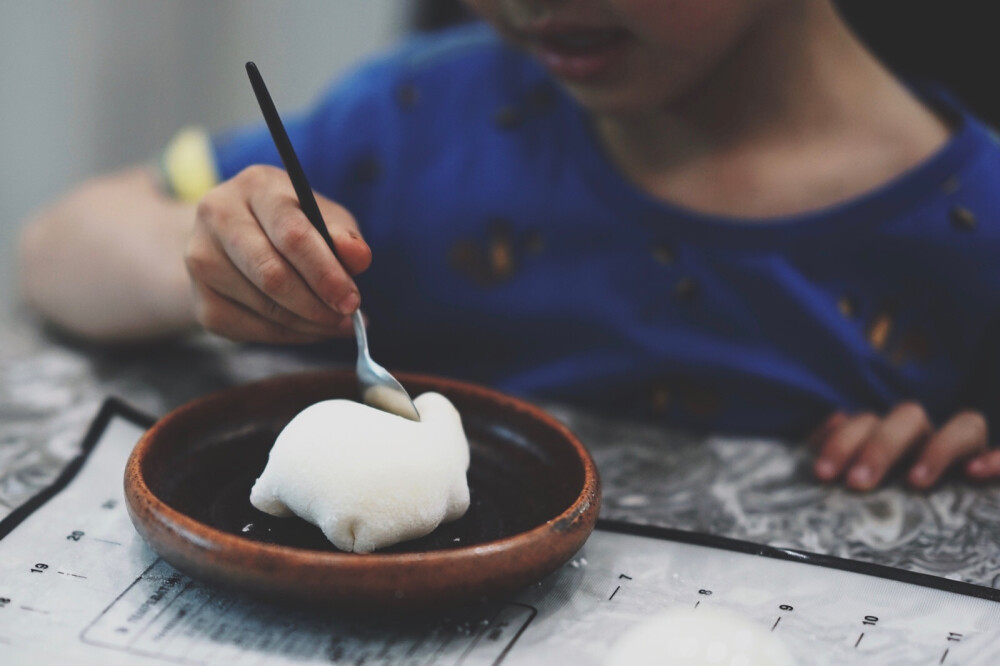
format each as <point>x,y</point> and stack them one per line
<point>219,542</point>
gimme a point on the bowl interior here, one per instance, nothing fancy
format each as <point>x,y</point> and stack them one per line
<point>522,472</point>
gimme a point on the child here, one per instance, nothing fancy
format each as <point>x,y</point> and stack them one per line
<point>723,212</point>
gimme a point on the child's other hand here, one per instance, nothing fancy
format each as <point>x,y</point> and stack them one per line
<point>863,447</point>
<point>261,272</point>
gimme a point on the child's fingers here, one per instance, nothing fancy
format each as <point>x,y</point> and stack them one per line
<point>962,436</point>
<point>984,466</point>
<point>234,321</point>
<point>818,436</point>
<point>240,290</point>
<point>208,264</point>
<point>842,443</point>
<point>295,239</point>
<point>907,425</point>
<point>227,238</point>
<point>352,249</point>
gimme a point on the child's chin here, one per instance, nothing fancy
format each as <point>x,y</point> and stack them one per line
<point>618,100</point>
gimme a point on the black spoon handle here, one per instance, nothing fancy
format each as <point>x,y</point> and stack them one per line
<point>288,157</point>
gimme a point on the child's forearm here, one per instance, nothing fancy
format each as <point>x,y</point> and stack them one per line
<point>106,262</point>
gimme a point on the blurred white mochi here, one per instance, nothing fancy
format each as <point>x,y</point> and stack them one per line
<point>703,637</point>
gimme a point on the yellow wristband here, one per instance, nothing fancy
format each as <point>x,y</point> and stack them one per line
<point>188,165</point>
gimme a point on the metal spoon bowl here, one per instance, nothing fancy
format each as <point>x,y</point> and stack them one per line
<point>378,388</point>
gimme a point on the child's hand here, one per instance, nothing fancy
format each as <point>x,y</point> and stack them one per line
<point>863,447</point>
<point>259,269</point>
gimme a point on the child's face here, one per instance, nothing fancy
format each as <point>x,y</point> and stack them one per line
<point>626,56</point>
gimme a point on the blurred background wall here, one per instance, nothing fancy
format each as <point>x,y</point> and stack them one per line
<point>92,85</point>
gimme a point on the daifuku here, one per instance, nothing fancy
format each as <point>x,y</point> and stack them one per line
<point>368,479</point>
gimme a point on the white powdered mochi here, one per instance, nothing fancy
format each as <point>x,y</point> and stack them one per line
<point>702,637</point>
<point>367,478</point>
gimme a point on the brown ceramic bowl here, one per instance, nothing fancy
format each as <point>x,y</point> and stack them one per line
<point>535,498</point>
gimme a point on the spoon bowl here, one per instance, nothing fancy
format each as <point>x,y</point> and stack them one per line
<point>378,388</point>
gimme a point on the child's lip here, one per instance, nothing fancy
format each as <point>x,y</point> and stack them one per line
<point>576,51</point>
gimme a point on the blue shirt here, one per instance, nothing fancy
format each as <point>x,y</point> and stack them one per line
<point>508,250</point>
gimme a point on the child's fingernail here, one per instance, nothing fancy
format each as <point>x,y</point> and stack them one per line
<point>825,469</point>
<point>861,476</point>
<point>920,475</point>
<point>357,238</point>
<point>977,467</point>
<point>349,303</point>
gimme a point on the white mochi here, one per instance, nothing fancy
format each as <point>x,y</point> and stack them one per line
<point>702,637</point>
<point>368,479</point>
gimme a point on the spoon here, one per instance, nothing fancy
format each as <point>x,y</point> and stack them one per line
<point>379,389</point>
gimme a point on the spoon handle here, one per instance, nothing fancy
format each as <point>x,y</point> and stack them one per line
<point>288,157</point>
<point>361,336</point>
